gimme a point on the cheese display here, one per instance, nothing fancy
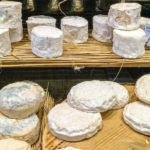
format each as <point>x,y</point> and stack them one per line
<point>124,16</point>
<point>144,22</point>
<point>137,115</point>
<point>34,21</point>
<point>21,99</point>
<point>71,124</point>
<point>5,44</point>
<point>69,148</point>
<point>75,29</point>
<point>13,144</point>
<point>47,41</point>
<point>101,30</point>
<point>129,44</point>
<point>11,13</point>
<point>24,129</point>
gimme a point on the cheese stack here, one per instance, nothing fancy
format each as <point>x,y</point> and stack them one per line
<point>11,13</point>
<point>129,40</point>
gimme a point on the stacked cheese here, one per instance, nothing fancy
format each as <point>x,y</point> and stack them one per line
<point>129,40</point>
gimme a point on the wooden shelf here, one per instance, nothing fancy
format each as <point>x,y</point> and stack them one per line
<point>89,54</point>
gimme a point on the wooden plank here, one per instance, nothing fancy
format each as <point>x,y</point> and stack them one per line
<point>115,134</point>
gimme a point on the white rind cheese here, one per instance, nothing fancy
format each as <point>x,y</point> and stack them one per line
<point>13,144</point>
<point>129,44</point>
<point>144,22</point>
<point>69,148</point>
<point>124,16</point>
<point>137,115</point>
<point>47,41</point>
<point>70,124</point>
<point>75,29</point>
<point>101,30</point>
<point>26,129</point>
<point>5,44</point>
<point>21,99</point>
<point>40,20</point>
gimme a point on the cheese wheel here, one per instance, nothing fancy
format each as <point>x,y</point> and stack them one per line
<point>47,41</point>
<point>75,29</point>
<point>25,129</point>
<point>124,16</point>
<point>34,21</point>
<point>129,44</point>
<point>21,99</point>
<point>70,124</point>
<point>5,44</point>
<point>144,22</point>
<point>101,30</point>
<point>69,148</point>
<point>13,144</point>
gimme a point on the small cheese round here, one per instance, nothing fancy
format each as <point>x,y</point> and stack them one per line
<point>40,20</point>
<point>75,29</point>
<point>25,129</point>
<point>144,22</point>
<point>71,124</point>
<point>129,44</point>
<point>92,96</point>
<point>21,99</point>
<point>13,144</point>
<point>124,16</point>
<point>142,88</point>
<point>47,41</point>
<point>137,116</point>
<point>101,30</point>
<point>5,44</point>
<point>69,148</point>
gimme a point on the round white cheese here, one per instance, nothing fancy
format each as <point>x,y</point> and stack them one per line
<point>69,148</point>
<point>144,22</point>
<point>26,129</point>
<point>40,20</point>
<point>21,99</point>
<point>47,41</point>
<point>101,30</point>
<point>125,16</point>
<point>71,124</point>
<point>13,144</point>
<point>137,115</point>
<point>5,44</point>
<point>75,29</point>
<point>129,44</point>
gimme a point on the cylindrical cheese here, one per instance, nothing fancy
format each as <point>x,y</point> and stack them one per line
<point>5,44</point>
<point>129,44</point>
<point>47,41</point>
<point>101,30</point>
<point>75,29</point>
<point>124,16</point>
<point>144,22</point>
<point>34,21</point>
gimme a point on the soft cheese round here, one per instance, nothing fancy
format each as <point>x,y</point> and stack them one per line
<point>129,44</point>
<point>124,16</point>
<point>13,144</point>
<point>75,29</point>
<point>144,22</point>
<point>71,124</point>
<point>92,96</point>
<point>21,99</point>
<point>25,129</point>
<point>69,148</point>
<point>101,30</point>
<point>137,116</point>
<point>142,88</point>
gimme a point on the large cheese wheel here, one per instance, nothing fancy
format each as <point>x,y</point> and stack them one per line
<point>124,16</point>
<point>129,44</point>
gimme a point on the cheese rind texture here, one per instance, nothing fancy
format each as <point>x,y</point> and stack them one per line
<point>5,44</point>
<point>101,30</point>
<point>75,29</point>
<point>47,41</point>
<point>21,99</point>
<point>25,129</point>
<point>40,20</point>
<point>124,16</point>
<point>70,124</point>
<point>137,115</point>
<point>13,144</point>
<point>144,22</point>
<point>69,148</point>
<point>129,44</point>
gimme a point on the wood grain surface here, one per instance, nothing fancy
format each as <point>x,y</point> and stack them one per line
<point>115,134</point>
